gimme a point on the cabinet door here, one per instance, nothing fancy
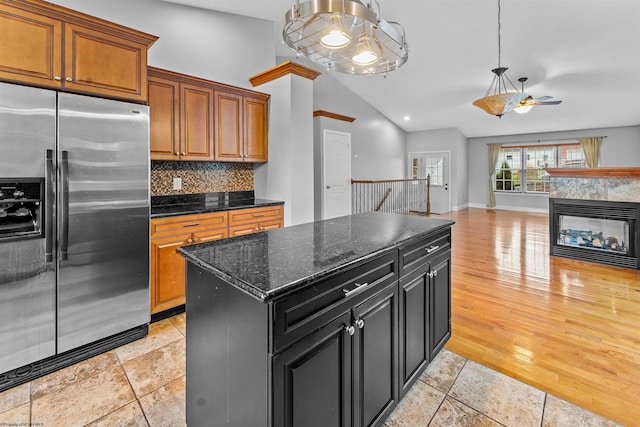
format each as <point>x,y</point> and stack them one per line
<point>375,356</point>
<point>196,122</point>
<point>414,327</point>
<point>167,272</point>
<point>255,130</point>
<point>30,48</point>
<point>100,63</point>
<point>229,127</point>
<point>163,118</point>
<point>312,379</point>
<point>440,304</point>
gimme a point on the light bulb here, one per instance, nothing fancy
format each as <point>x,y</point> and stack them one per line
<point>336,37</point>
<point>364,55</point>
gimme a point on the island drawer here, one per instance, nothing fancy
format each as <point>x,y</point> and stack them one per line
<point>303,312</point>
<point>421,251</point>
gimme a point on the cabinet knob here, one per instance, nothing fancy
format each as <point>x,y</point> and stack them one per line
<point>196,239</point>
<point>69,79</point>
<point>350,329</point>
<point>430,274</point>
<point>360,323</point>
<point>435,273</point>
<point>184,153</point>
<point>58,78</point>
<point>177,153</point>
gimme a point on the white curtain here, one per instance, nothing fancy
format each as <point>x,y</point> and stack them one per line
<point>494,151</point>
<point>591,148</point>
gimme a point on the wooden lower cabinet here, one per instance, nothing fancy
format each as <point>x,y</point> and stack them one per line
<point>168,234</point>
<point>167,266</point>
<point>247,221</point>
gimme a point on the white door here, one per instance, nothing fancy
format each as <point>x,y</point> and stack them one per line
<point>336,174</point>
<point>436,165</point>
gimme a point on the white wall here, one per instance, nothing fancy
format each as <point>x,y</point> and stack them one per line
<point>378,146</point>
<point>621,147</point>
<point>193,41</point>
<point>455,142</point>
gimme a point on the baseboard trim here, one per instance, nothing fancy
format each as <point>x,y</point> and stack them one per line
<point>509,208</point>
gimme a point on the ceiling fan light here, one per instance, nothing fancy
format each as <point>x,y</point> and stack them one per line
<point>500,104</point>
<point>523,109</point>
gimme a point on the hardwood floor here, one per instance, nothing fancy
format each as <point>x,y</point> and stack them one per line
<point>568,327</point>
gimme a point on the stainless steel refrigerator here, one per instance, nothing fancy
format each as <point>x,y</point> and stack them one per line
<point>74,223</point>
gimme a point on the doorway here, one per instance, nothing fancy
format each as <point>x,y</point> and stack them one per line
<point>435,164</point>
<point>336,173</point>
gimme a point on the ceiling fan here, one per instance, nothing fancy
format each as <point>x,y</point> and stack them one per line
<point>528,102</point>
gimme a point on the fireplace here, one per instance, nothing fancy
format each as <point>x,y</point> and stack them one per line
<point>595,230</point>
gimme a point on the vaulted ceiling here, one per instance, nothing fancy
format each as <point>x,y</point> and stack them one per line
<point>585,53</point>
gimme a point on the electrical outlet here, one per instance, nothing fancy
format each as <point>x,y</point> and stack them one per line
<point>177,183</point>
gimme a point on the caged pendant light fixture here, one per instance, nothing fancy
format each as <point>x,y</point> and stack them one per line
<point>348,36</point>
<point>498,100</point>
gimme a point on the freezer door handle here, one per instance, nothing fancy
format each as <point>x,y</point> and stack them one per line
<point>49,204</point>
<point>64,205</point>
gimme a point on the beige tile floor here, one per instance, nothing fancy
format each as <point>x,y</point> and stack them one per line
<point>143,384</point>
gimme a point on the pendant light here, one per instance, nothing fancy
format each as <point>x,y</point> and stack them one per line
<point>498,100</point>
<point>347,36</point>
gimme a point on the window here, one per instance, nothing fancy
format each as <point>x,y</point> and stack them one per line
<point>423,164</point>
<point>522,169</point>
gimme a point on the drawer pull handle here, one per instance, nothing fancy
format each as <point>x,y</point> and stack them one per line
<point>360,323</point>
<point>258,215</point>
<point>350,329</point>
<point>359,288</point>
<point>431,249</point>
<point>195,224</point>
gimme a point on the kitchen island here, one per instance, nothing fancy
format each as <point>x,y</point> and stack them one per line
<point>326,323</point>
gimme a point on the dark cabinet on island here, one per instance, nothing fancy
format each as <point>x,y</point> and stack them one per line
<point>320,324</point>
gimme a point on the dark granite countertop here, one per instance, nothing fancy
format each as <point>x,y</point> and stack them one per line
<point>188,204</point>
<point>275,262</point>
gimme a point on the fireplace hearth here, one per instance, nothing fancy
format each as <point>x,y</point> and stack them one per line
<point>595,230</point>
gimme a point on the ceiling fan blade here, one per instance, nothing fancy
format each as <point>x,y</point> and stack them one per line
<point>545,103</point>
<point>544,98</point>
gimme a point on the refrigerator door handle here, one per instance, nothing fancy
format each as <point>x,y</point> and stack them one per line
<point>49,205</point>
<point>64,205</point>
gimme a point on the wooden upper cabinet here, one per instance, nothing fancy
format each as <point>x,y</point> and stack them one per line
<point>30,47</point>
<point>104,64</point>
<point>47,45</point>
<point>164,98</point>
<point>241,127</point>
<point>229,127</point>
<point>256,129</point>
<point>181,116</point>
<point>196,122</point>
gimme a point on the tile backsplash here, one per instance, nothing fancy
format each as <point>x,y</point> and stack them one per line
<point>200,177</point>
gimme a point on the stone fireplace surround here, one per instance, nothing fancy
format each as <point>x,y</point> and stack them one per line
<point>608,193</point>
